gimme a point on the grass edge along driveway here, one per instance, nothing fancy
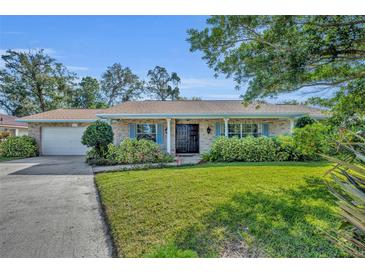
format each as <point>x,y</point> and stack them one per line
<point>212,210</point>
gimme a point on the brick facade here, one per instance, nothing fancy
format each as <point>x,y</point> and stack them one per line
<point>121,130</point>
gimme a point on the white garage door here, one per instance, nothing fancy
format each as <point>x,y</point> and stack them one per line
<point>62,141</point>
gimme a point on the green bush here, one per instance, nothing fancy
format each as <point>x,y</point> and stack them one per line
<point>18,146</point>
<point>249,149</point>
<point>98,136</point>
<point>93,158</point>
<point>133,151</point>
<point>312,140</point>
<point>286,149</point>
<point>303,121</point>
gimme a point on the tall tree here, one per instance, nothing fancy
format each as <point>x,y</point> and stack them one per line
<point>279,54</point>
<point>33,82</point>
<point>87,94</point>
<point>162,85</point>
<point>120,85</point>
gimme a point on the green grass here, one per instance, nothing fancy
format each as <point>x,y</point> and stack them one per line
<point>272,208</point>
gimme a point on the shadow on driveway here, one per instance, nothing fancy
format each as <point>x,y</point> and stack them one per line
<point>51,165</point>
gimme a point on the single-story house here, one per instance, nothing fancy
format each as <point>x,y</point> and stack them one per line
<point>177,126</point>
<point>9,124</point>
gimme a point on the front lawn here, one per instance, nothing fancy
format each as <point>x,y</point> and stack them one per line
<point>238,209</point>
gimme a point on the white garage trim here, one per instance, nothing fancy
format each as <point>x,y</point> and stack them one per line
<point>62,141</point>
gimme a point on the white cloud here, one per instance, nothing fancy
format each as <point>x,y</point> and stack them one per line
<point>194,83</point>
<point>77,68</point>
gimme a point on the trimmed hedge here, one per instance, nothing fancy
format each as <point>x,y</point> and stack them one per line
<point>251,149</point>
<point>19,146</point>
<point>133,151</point>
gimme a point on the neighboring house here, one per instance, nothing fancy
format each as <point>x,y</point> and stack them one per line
<point>9,124</point>
<point>178,126</point>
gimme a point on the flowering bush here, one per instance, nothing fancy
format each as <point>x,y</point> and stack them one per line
<point>133,151</point>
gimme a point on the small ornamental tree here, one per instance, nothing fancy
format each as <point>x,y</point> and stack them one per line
<point>98,136</point>
<point>303,121</point>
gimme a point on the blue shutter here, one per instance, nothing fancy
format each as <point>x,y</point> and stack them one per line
<point>217,129</point>
<point>265,129</point>
<point>159,138</point>
<point>132,130</point>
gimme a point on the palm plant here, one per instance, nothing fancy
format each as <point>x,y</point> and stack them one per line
<point>347,184</point>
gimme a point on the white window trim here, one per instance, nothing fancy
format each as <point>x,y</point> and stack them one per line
<point>259,128</point>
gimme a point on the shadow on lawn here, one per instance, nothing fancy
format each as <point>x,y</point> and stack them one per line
<point>281,224</point>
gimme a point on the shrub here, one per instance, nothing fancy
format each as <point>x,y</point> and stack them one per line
<point>286,149</point>
<point>312,140</point>
<point>19,146</point>
<point>133,151</point>
<point>249,149</point>
<point>98,136</point>
<point>303,121</point>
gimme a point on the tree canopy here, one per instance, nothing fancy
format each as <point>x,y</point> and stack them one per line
<point>163,85</point>
<point>280,54</point>
<point>87,94</point>
<point>120,85</point>
<point>33,82</point>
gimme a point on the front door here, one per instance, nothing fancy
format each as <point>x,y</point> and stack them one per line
<point>187,138</point>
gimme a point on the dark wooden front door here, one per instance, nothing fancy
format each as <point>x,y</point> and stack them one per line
<point>187,138</point>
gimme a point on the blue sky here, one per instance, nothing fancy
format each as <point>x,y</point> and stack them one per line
<point>88,44</point>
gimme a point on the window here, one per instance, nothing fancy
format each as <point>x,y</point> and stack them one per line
<point>146,131</point>
<point>250,130</point>
<point>234,130</point>
<point>240,130</point>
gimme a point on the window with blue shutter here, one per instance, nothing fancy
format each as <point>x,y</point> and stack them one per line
<point>159,139</point>
<point>217,129</point>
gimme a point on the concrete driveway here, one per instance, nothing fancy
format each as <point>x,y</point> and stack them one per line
<point>49,208</point>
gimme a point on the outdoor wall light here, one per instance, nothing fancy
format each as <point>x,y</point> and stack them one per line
<point>209,130</point>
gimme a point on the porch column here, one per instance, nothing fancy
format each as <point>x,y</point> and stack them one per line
<point>226,127</point>
<point>168,139</point>
<point>291,121</point>
<point>16,132</point>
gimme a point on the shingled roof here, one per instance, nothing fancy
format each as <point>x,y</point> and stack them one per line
<point>10,121</point>
<point>63,114</point>
<point>178,109</point>
<point>208,107</point>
